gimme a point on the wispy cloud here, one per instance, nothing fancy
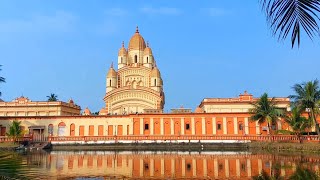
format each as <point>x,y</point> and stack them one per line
<point>161,11</point>
<point>116,12</point>
<point>61,21</point>
<point>215,12</point>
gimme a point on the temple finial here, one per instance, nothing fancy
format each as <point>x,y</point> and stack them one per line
<point>137,29</point>
<point>147,43</point>
<point>111,65</point>
<point>122,43</point>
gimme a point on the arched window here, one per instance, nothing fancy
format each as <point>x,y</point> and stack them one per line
<point>72,129</point>
<point>155,82</point>
<point>110,82</point>
<point>135,58</point>
<point>147,59</point>
<point>61,129</point>
<point>50,130</point>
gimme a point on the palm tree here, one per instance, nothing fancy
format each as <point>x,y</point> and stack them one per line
<point>307,97</point>
<point>15,130</point>
<point>52,97</point>
<point>2,79</point>
<point>296,121</point>
<point>265,110</point>
<point>302,173</point>
<point>290,16</point>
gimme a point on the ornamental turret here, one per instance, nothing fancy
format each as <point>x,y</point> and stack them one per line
<point>122,57</point>
<point>111,79</point>
<point>156,81</point>
<point>148,57</point>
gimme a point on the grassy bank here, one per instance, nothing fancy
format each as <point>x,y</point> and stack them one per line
<point>310,147</point>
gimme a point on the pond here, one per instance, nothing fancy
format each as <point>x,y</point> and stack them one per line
<point>96,165</point>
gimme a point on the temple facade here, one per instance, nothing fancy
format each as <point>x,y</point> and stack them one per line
<point>137,86</point>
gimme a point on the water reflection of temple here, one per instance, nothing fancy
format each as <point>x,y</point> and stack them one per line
<point>167,165</point>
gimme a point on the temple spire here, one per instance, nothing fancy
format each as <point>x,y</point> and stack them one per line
<point>137,29</point>
<point>111,65</point>
<point>122,43</point>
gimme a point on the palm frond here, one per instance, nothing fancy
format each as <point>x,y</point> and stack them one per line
<point>285,16</point>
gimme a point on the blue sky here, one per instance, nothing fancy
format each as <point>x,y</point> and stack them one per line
<point>203,49</point>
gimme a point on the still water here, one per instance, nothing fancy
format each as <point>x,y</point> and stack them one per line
<point>96,165</point>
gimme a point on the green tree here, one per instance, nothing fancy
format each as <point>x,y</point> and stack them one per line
<point>2,79</point>
<point>307,97</point>
<point>265,110</point>
<point>292,16</point>
<point>297,122</point>
<point>15,130</point>
<point>302,173</point>
<point>52,97</point>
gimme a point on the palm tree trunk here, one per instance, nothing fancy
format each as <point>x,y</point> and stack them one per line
<point>270,132</point>
<point>315,122</point>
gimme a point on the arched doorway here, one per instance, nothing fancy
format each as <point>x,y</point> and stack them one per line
<point>61,129</point>
<point>50,130</point>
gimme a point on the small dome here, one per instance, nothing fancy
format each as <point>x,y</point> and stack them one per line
<point>155,72</point>
<point>122,51</point>
<point>103,111</point>
<point>137,42</point>
<point>87,111</point>
<point>147,50</point>
<point>112,72</point>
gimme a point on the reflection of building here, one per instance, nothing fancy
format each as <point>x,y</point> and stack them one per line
<point>134,102</point>
<point>163,166</point>
<point>137,85</point>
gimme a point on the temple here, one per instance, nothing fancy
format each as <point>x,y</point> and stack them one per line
<point>134,102</point>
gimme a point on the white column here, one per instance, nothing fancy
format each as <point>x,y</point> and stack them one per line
<point>161,126</point>
<point>194,168</point>
<point>115,128</point>
<point>193,128</point>
<point>172,126</point>
<point>246,125</point>
<point>172,167</point>
<point>235,125</point>
<point>182,126</point>
<point>151,167</point>
<point>279,124</point>
<point>238,167</point>
<point>203,121</point>
<point>226,164</point>
<point>141,168</point>
<point>205,168</point>
<point>215,164</point>
<point>183,164</point>
<point>249,167</point>
<point>214,128</point>
<point>283,172</point>
<point>151,126</point>
<point>141,126</point>
<point>224,125</point>
<point>260,165</point>
<point>162,166</point>
<point>257,127</point>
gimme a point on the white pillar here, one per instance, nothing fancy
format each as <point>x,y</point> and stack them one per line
<point>192,126</point>
<point>172,167</point>
<point>246,125</point>
<point>203,121</point>
<point>260,165</point>
<point>151,126</point>
<point>257,127</point>
<point>141,168</point>
<point>141,126</point>
<point>183,164</point>
<point>249,167</point>
<point>194,168</point>
<point>238,167</point>
<point>214,128</point>
<point>151,167</point>
<point>224,125</point>
<point>162,166</point>
<point>161,126</point>
<point>235,125</point>
<point>205,168</point>
<point>172,126</point>
<point>182,126</point>
<point>226,164</point>
<point>215,164</point>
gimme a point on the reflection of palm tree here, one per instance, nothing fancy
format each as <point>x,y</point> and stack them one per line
<point>265,110</point>
<point>302,173</point>
<point>52,97</point>
<point>287,16</point>
<point>10,165</point>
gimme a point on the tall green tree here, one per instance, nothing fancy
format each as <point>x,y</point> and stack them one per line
<point>52,97</point>
<point>303,173</point>
<point>2,79</point>
<point>291,17</point>
<point>265,110</point>
<point>15,130</point>
<point>307,98</point>
<point>297,122</point>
